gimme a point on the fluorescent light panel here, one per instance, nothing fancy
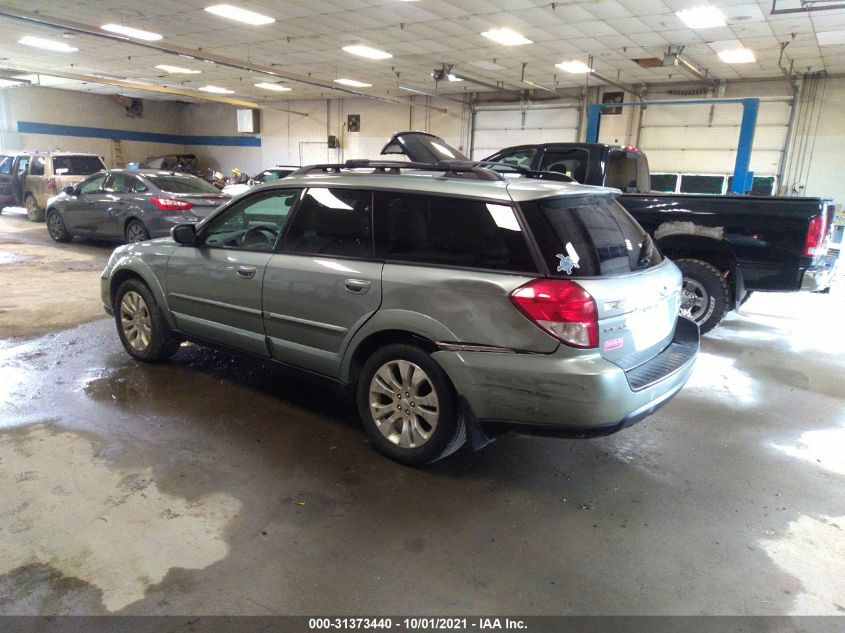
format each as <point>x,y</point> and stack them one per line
<point>453,77</point>
<point>506,37</point>
<point>178,70</point>
<point>239,15</point>
<point>50,45</point>
<point>575,67</point>
<point>217,90</point>
<point>5,83</point>
<point>367,51</point>
<point>128,31</point>
<point>271,86</point>
<point>352,82</point>
<point>703,17</point>
<point>737,56</point>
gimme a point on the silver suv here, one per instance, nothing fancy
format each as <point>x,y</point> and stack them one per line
<point>453,304</point>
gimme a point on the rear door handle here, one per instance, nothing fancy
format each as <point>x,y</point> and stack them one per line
<point>246,272</point>
<point>357,286</point>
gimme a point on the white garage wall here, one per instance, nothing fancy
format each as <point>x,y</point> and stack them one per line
<point>290,139</point>
<point>65,107</point>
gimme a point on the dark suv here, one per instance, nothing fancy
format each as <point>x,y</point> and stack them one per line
<point>449,301</point>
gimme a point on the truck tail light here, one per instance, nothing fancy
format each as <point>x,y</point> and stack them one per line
<point>51,185</point>
<point>815,236</point>
<point>171,204</point>
<point>562,308</point>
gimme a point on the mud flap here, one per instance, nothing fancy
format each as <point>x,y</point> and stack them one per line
<point>476,437</point>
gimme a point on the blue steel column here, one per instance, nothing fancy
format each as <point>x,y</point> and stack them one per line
<point>742,178</point>
<point>593,120</point>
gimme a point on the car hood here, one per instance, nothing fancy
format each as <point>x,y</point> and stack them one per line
<point>422,147</point>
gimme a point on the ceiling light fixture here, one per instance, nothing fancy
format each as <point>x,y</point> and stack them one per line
<point>352,82</point>
<point>128,31</point>
<point>704,17</point>
<point>271,86</point>
<point>737,56</point>
<point>6,83</point>
<point>178,70</point>
<point>50,45</point>
<point>576,67</point>
<point>453,77</point>
<point>367,51</point>
<point>217,90</point>
<point>506,37</point>
<point>239,15</point>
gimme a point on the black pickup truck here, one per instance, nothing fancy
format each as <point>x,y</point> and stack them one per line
<point>726,246</point>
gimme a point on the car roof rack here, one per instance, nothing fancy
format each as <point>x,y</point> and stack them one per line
<point>478,170</point>
<point>450,169</point>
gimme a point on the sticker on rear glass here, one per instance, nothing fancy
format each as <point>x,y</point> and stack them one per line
<point>569,261</point>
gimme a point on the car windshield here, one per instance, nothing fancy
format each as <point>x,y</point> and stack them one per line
<point>183,183</point>
<point>589,236</point>
<point>77,165</point>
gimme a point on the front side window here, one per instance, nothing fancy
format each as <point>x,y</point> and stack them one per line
<point>23,164</point>
<point>119,183</point>
<point>93,185</point>
<point>254,223</point>
<point>569,162</point>
<point>450,232</point>
<point>589,236</point>
<point>332,222</point>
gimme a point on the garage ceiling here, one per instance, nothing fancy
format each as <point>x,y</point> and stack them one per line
<point>308,35</point>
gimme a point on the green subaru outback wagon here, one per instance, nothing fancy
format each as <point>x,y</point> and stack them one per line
<point>452,302</point>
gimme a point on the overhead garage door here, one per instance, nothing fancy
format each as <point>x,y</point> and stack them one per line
<point>688,139</point>
<point>498,128</point>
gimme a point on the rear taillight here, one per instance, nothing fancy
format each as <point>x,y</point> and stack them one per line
<point>815,236</point>
<point>51,184</point>
<point>562,308</point>
<point>171,204</point>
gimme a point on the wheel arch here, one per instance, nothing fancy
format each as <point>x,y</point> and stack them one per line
<point>715,252</point>
<point>125,272</point>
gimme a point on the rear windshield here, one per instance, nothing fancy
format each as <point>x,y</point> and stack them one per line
<point>589,236</point>
<point>77,165</point>
<point>184,183</point>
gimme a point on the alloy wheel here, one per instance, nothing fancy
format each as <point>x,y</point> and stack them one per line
<point>55,226</point>
<point>135,321</point>
<point>135,233</point>
<point>403,403</point>
<point>695,301</point>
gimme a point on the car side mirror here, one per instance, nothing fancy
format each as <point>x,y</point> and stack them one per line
<point>69,190</point>
<point>184,234</point>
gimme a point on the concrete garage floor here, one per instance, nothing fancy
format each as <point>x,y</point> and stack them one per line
<point>211,485</point>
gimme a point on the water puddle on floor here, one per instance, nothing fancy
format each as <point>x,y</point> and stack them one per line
<point>63,503</point>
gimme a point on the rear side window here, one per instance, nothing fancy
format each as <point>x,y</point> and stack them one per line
<point>5,164</point>
<point>450,232</point>
<point>77,165</point>
<point>571,162</point>
<point>37,168</point>
<point>183,183</point>
<point>332,222</point>
<point>589,236</point>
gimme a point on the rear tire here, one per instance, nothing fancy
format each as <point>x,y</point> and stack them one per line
<point>408,406</point>
<point>33,212</point>
<point>56,227</point>
<point>141,326</point>
<point>705,296</point>
<point>135,232</point>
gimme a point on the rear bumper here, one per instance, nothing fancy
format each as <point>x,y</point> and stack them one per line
<point>564,395</point>
<point>819,277</point>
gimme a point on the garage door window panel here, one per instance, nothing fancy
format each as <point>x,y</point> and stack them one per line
<point>254,223</point>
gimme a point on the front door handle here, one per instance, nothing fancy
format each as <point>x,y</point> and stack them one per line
<point>357,286</point>
<point>246,272</point>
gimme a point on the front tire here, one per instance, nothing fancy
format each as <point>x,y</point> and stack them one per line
<point>33,212</point>
<point>56,227</point>
<point>141,326</point>
<point>408,406</point>
<point>136,232</point>
<point>705,296</point>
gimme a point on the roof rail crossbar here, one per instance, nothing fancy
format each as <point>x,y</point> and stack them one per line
<point>450,169</point>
